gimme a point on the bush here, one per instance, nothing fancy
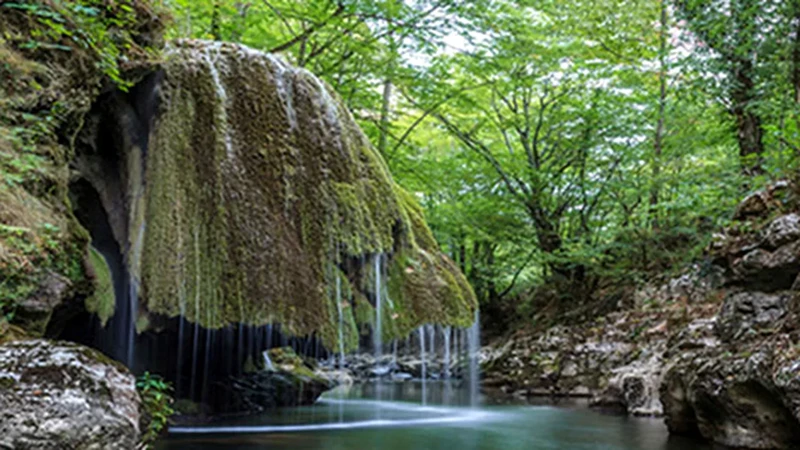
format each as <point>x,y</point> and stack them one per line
<point>156,405</point>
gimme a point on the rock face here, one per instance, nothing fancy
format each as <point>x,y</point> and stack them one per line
<point>43,249</point>
<point>241,190</point>
<point>718,356</point>
<point>618,360</point>
<point>737,386</point>
<point>57,395</point>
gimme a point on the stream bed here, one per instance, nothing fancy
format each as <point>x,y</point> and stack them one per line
<point>392,416</point>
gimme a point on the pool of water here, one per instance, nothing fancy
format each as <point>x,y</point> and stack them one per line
<point>394,417</point>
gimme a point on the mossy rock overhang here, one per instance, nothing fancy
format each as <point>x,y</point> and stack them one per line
<point>47,90</point>
<point>256,190</point>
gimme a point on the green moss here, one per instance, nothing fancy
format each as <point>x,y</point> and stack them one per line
<point>56,56</point>
<point>251,218</point>
<point>102,301</point>
<point>284,358</point>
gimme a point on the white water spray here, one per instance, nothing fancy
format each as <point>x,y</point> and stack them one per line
<point>424,371</point>
<point>268,362</point>
<point>473,353</point>
<point>222,96</point>
<point>341,320</point>
<point>378,331</point>
<point>446,362</point>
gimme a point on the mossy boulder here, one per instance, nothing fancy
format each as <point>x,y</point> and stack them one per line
<point>260,191</point>
<point>290,381</point>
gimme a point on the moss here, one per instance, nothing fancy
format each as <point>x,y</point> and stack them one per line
<point>253,209</point>
<point>53,73</point>
<point>287,360</point>
<point>101,302</point>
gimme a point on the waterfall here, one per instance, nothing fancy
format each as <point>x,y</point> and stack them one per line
<point>423,373</point>
<point>222,95</point>
<point>446,362</point>
<point>134,259</point>
<point>377,332</point>
<point>267,361</point>
<point>473,353</point>
<point>341,320</point>
<point>328,104</point>
<point>432,346</point>
<point>283,83</point>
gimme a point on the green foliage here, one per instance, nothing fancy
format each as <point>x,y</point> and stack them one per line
<point>156,404</point>
<point>102,28</point>
<point>591,142</point>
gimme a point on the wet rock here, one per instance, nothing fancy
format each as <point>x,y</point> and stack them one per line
<point>265,390</point>
<point>58,395</point>
<point>290,382</point>
<point>401,376</point>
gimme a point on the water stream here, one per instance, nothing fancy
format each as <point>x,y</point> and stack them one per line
<point>345,419</point>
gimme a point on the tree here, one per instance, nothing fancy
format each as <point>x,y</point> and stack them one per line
<point>732,30</point>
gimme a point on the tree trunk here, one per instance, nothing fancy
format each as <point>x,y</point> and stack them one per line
<point>658,140</point>
<point>462,255</point>
<point>750,132</point>
<point>385,111</point>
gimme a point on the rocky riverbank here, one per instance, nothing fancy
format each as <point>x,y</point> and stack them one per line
<point>714,351</point>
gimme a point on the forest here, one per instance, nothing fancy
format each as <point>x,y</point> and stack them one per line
<point>582,145</point>
<point>335,224</point>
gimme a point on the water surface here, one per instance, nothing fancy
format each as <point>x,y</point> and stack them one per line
<point>392,417</point>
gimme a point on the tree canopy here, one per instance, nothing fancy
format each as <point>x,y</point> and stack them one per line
<point>581,145</point>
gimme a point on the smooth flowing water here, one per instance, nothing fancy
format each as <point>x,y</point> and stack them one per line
<point>344,419</point>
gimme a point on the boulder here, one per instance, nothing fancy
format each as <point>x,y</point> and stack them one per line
<point>735,400</point>
<point>634,388</point>
<point>287,380</point>
<point>33,313</point>
<point>58,395</point>
<point>263,390</point>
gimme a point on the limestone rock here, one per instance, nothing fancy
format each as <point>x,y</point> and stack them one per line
<point>735,400</point>
<point>748,312</point>
<point>58,395</point>
<point>783,230</point>
<point>768,271</point>
<point>758,204</point>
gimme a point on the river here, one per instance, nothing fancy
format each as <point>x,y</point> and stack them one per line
<point>391,416</point>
